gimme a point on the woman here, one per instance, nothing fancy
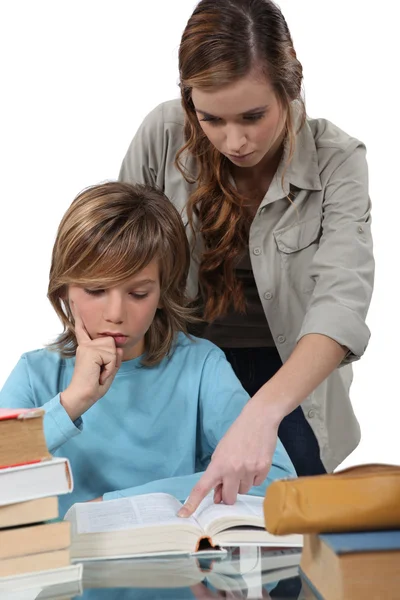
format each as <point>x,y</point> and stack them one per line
<point>277,211</point>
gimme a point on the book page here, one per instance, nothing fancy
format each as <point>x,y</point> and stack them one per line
<point>126,513</point>
<point>245,506</point>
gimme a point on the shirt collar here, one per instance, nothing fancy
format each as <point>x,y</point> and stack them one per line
<point>302,171</point>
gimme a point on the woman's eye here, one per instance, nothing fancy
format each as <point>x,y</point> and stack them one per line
<point>212,120</point>
<point>138,296</point>
<point>217,121</point>
<point>93,292</point>
<point>253,117</point>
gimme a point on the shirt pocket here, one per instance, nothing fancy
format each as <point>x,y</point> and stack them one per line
<point>297,245</point>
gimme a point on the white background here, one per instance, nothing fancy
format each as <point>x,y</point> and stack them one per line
<point>78,77</point>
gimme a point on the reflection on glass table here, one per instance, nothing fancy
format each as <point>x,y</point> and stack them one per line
<point>244,572</point>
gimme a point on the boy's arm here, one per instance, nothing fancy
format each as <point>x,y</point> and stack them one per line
<point>17,392</point>
<point>179,487</point>
<point>221,399</point>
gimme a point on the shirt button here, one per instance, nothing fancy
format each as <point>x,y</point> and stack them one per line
<point>257,251</point>
<point>281,339</point>
<point>311,414</point>
<point>268,295</point>
<point>360,229</point>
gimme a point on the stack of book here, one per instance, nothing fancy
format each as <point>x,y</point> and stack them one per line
<point>356,565</point>
<point>34,545</point>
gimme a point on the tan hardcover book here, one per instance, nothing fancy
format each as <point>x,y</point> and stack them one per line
<point>33,539</point>
<point>34,562</point>
<point>22,437</point>
<point>352,565</point>
<point>33,511</point>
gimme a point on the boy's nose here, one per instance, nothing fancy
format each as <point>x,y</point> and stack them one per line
<point>114,309</point>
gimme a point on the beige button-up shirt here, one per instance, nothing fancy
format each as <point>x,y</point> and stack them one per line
<point>312,258</point>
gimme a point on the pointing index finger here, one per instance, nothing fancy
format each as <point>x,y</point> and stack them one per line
<point>205,484</point>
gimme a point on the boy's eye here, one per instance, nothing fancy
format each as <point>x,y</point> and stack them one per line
<point>93,292</point>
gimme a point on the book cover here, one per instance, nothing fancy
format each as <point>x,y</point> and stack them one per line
<point>33,539</point>
<point>22,439</point>
<point>20,413</point>
<point>39,480</point>
<point>362,541</point>
<point>31,511</point>
<point>63,576</point>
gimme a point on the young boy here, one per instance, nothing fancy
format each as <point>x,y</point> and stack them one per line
<point>134,403</point>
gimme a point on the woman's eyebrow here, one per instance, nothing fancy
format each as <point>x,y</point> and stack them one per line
<point>248,112</point>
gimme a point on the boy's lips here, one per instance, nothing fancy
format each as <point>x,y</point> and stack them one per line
<point>119,338</point>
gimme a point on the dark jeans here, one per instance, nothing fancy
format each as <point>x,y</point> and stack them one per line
<point>254,366</point>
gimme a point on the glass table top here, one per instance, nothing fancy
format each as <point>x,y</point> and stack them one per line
<point>244,572</point>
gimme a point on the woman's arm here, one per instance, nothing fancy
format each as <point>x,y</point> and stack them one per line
<point>313,359</point>
<point>223,434</point>
<point>333,331</point>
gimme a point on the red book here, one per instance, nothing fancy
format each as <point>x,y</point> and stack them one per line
<point>22,438</point>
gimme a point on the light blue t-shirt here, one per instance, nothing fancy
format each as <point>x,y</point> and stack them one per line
<point>154,430</point>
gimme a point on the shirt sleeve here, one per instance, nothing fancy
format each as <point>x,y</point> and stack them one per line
<point>343,266</point>
<point>180,487</point>
<point>144,158</point>
<point>17,392</point>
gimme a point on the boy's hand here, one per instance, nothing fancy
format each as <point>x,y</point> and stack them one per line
<point>97,362</point>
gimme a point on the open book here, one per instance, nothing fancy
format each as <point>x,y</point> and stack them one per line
<point>147,524</point>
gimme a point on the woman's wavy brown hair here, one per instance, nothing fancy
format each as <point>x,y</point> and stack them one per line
<point>109,234</point>
<point>225,40</point>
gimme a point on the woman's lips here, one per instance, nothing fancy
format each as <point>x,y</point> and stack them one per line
<point>240,158</point>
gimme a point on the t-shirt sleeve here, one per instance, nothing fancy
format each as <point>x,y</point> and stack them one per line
<point>180,487</point>
<point>18,392</point>
<point>222,398</point>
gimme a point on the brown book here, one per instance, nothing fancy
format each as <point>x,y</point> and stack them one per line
<point>354,565</point>
<point>33,539</point>
<point>33,511</point>
<point>22,437</point>
<point>34,562</point>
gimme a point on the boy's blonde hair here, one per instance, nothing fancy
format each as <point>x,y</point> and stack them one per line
<point>109,233</point>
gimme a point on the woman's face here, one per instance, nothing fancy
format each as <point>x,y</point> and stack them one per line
<point>243,120</point>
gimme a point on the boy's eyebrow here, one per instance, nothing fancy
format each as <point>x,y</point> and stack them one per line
<point>248,112</point>
<point>143,281</point>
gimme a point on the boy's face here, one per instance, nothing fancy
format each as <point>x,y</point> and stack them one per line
<point>124,312</point>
